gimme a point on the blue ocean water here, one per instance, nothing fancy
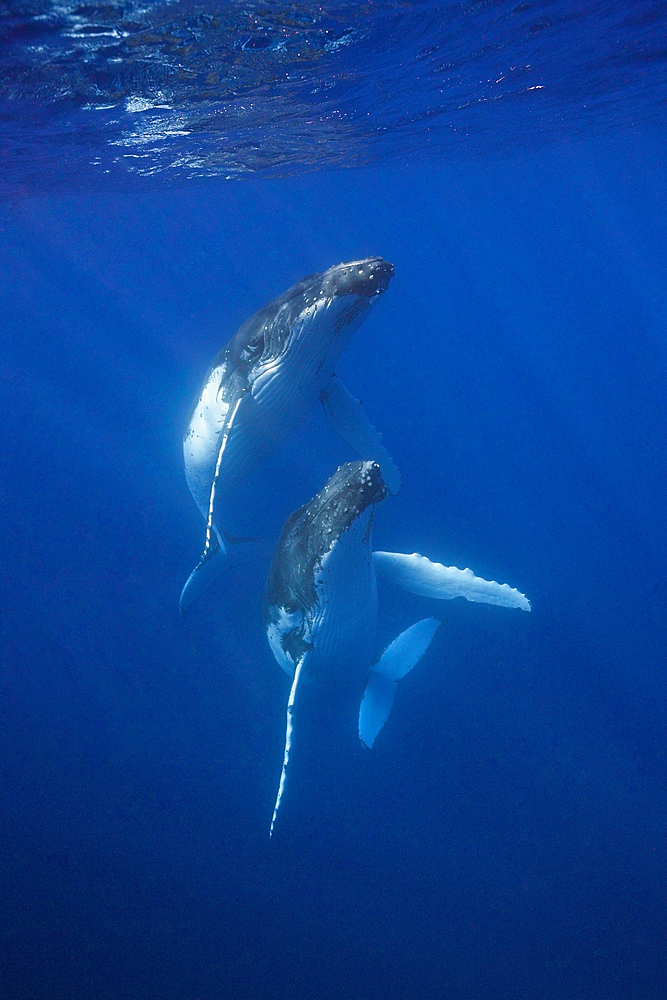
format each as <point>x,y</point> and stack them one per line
<point>507,835</point>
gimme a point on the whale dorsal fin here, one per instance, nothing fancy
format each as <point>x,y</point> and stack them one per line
<point>288,739</point>
<point>346,416</point>
<point>398,659</point>
<point>418,575</point>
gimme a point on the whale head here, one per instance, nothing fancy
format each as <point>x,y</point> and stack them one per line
<point>300,335</point>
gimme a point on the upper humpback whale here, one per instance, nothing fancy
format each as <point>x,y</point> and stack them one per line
<point>320,600</point>
<point>265,381</point>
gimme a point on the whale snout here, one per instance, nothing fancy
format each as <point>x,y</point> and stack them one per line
<point>366,278</point>
<point>378,273</point>
<point>371,482</point>
<point>359,484</point>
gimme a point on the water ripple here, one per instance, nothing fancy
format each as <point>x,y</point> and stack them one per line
<point>115,93</point>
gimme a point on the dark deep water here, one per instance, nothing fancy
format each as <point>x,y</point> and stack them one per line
<point>507,835</point>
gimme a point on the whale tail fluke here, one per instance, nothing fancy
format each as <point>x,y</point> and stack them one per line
<point>398,659</point>
<point>228,553</point>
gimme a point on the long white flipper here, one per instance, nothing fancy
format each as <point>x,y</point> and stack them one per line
<point>418,575</point>
<point>398,659</point>
<point>288,740</point>
<point>375,707</point>
<point>345,414</point>
<point>407,649</point>
<point>213,562</point>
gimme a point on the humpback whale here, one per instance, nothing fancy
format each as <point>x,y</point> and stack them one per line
<point>320,601</point>
<point>264,382</point>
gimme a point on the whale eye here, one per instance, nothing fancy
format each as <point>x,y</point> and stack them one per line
<point>253,347</point>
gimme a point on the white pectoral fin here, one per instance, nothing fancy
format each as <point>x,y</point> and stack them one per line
<point>418,575</point>
<point>375,707</point>
<point>407,649</point>
<point>346,416</point>
<point>398,659</point>
<point>212,543</point>
<point>214,558</point>
<point>288,740</point>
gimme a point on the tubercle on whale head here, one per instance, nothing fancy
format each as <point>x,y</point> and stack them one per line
<point>366,278</point>
<point>372,482</point>
<point>355,485</point>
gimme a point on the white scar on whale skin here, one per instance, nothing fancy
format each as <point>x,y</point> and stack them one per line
<point>419,575</point>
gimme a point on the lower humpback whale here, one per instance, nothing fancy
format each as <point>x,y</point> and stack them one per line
<point>265,381</point>
<point>320,600</point>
